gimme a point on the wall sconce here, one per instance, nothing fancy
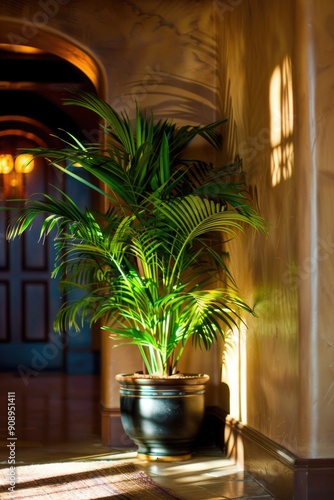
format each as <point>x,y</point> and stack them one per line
<point>24,163</point>
<point>6,164</point>
<point>12,174</point>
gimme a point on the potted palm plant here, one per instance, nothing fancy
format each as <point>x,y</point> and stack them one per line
<point>148,265</point>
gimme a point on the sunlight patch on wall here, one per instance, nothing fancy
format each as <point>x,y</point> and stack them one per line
<point>281,122</point>
<point>234,372</point>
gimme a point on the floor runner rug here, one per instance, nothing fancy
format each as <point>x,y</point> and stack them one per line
<point>80,480</point>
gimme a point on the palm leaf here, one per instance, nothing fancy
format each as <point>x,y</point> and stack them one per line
<point>151,261</point>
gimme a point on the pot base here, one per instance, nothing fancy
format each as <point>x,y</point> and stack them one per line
<point>163,458</point>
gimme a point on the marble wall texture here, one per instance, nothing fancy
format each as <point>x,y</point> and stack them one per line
<point>269,67</point>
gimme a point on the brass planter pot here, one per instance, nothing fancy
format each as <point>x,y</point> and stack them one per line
<point>163,416</point>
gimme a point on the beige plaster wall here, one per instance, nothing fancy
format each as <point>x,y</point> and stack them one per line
<point>156,53</point>
<point>256,38</point>
<point>316,124</point>
<point>276,70</point>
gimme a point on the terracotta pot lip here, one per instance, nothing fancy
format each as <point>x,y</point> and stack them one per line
<point>182,378</point>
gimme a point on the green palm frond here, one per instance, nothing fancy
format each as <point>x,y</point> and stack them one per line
<point>153,261</point>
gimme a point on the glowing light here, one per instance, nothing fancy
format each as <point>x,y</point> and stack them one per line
<point>24,163</point>
<point>6,164</point>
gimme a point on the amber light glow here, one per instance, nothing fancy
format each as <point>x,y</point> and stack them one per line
<point>24,163</point>
<point>13,174</point>
<point>6,163</point>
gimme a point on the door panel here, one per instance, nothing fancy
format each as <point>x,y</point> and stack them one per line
<point>29,299</point>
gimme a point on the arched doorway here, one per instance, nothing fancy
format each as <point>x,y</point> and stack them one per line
<point>32,114</point>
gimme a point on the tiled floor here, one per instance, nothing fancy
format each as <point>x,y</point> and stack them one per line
<point>57,419</point>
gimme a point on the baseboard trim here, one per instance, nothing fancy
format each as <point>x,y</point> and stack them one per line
<point>112,432</point>
<point>284,475</point>
<point>267,462</point>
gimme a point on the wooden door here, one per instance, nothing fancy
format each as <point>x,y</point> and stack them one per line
<point>29,299</point>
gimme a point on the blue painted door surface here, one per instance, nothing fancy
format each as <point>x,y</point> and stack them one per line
<point>29,298</point>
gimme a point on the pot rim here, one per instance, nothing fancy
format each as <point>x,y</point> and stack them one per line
<point>179,379</point>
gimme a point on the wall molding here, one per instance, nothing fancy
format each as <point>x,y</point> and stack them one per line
<point>280,472</point>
